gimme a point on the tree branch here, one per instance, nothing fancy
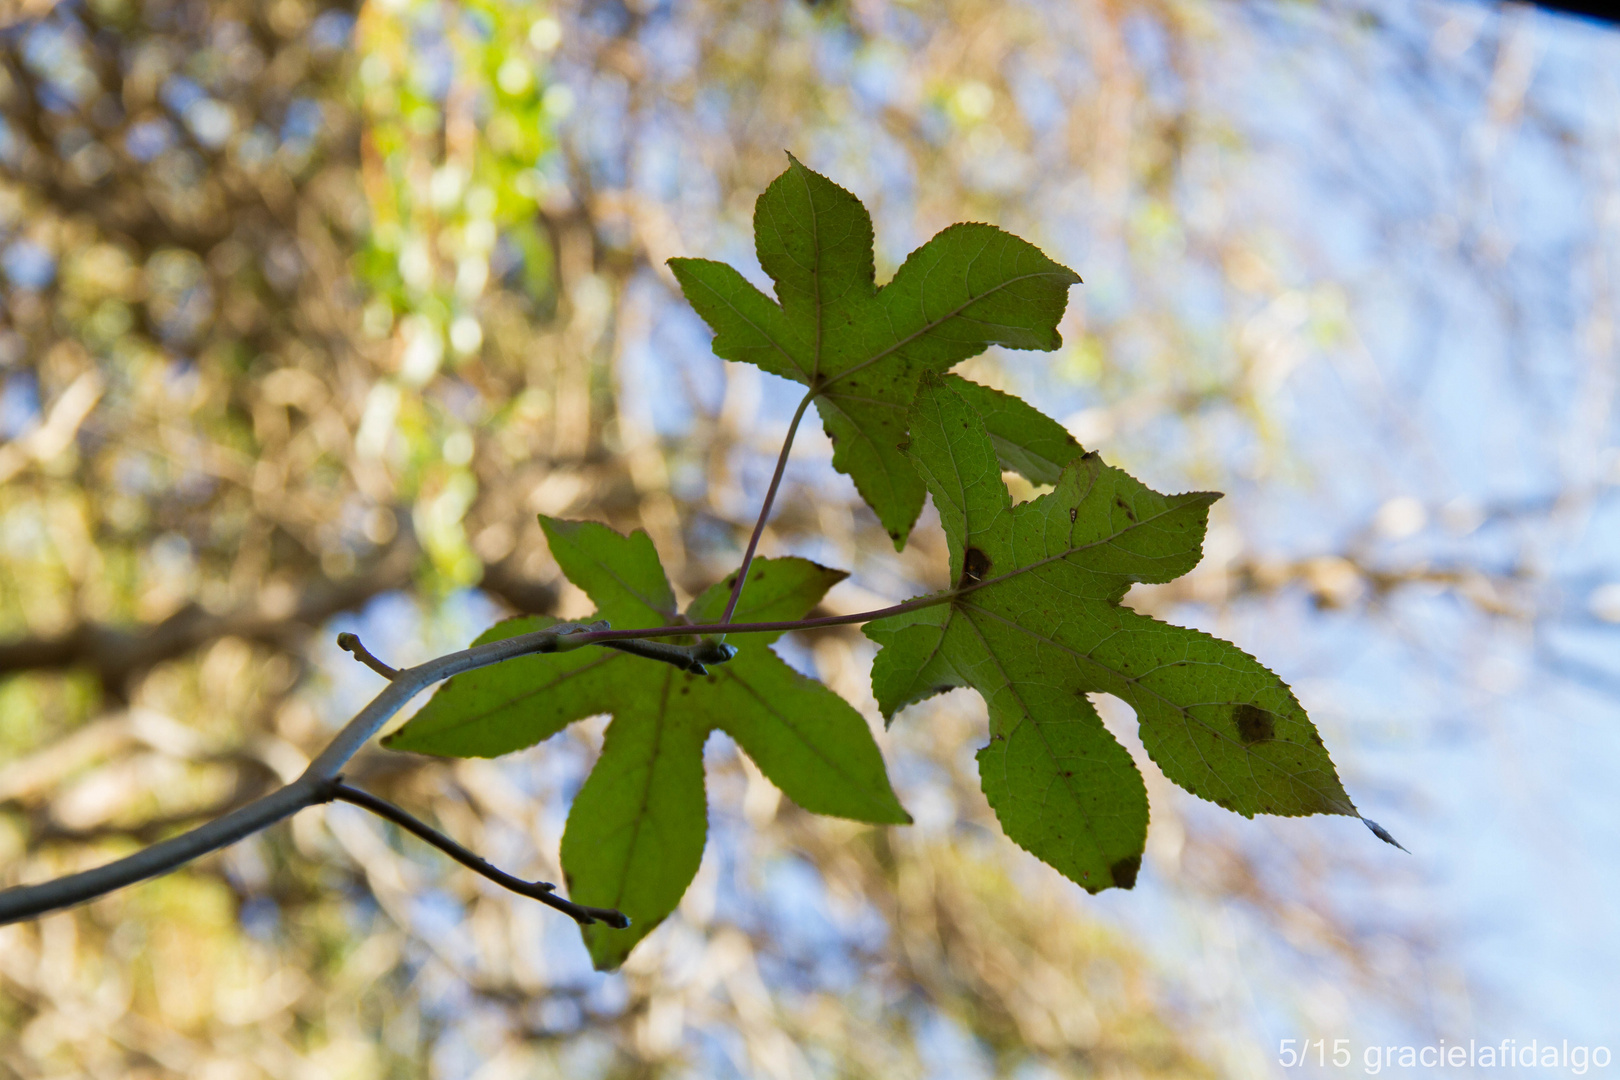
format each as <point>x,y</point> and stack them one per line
<point>543,891</point>
<point>30,901</point>
<point>315,785</point>
<point>116,654</point>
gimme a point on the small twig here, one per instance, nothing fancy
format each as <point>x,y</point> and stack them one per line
<point>543,891</point>
<point>691,658</point>
<point>765,510</point>
<point>351,643</point>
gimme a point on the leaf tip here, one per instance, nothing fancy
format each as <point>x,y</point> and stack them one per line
<point>1383,834</point>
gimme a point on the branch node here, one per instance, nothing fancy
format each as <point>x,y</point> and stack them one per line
<point>568,638</point>
<point>351,643</point>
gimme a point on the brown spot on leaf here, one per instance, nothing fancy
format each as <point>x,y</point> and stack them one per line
<point>975,564</point>
<point>1125,870</point>
<point>1254,724</point>
<point>1125,507</point>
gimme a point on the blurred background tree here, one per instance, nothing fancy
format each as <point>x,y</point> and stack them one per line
<point>308,311</point>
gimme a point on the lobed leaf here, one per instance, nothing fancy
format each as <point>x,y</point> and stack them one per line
<point>1035,624</point>
<point>635,833</point>
<point>861,349</point>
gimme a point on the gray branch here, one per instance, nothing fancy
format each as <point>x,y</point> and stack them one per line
<point>313,787</point>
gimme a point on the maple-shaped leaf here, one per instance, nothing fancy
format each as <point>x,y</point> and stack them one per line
<point>861,349</point>
<point>636,830</point>
<point>1035,624</point>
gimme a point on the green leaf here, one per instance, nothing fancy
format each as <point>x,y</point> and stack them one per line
<point>515,704</point>
<point>621,575</point>
<point>1026,440</point>
<point>635,832</point>
<point>861,349</point>
<point>1034,624</point>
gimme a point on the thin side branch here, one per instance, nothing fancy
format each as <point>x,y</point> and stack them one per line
<point>543,891</point>
<point>765,508</point>
<point>693,658</point>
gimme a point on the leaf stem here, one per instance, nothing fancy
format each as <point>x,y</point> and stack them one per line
<point>544,891</point>
<point>765,509</point>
